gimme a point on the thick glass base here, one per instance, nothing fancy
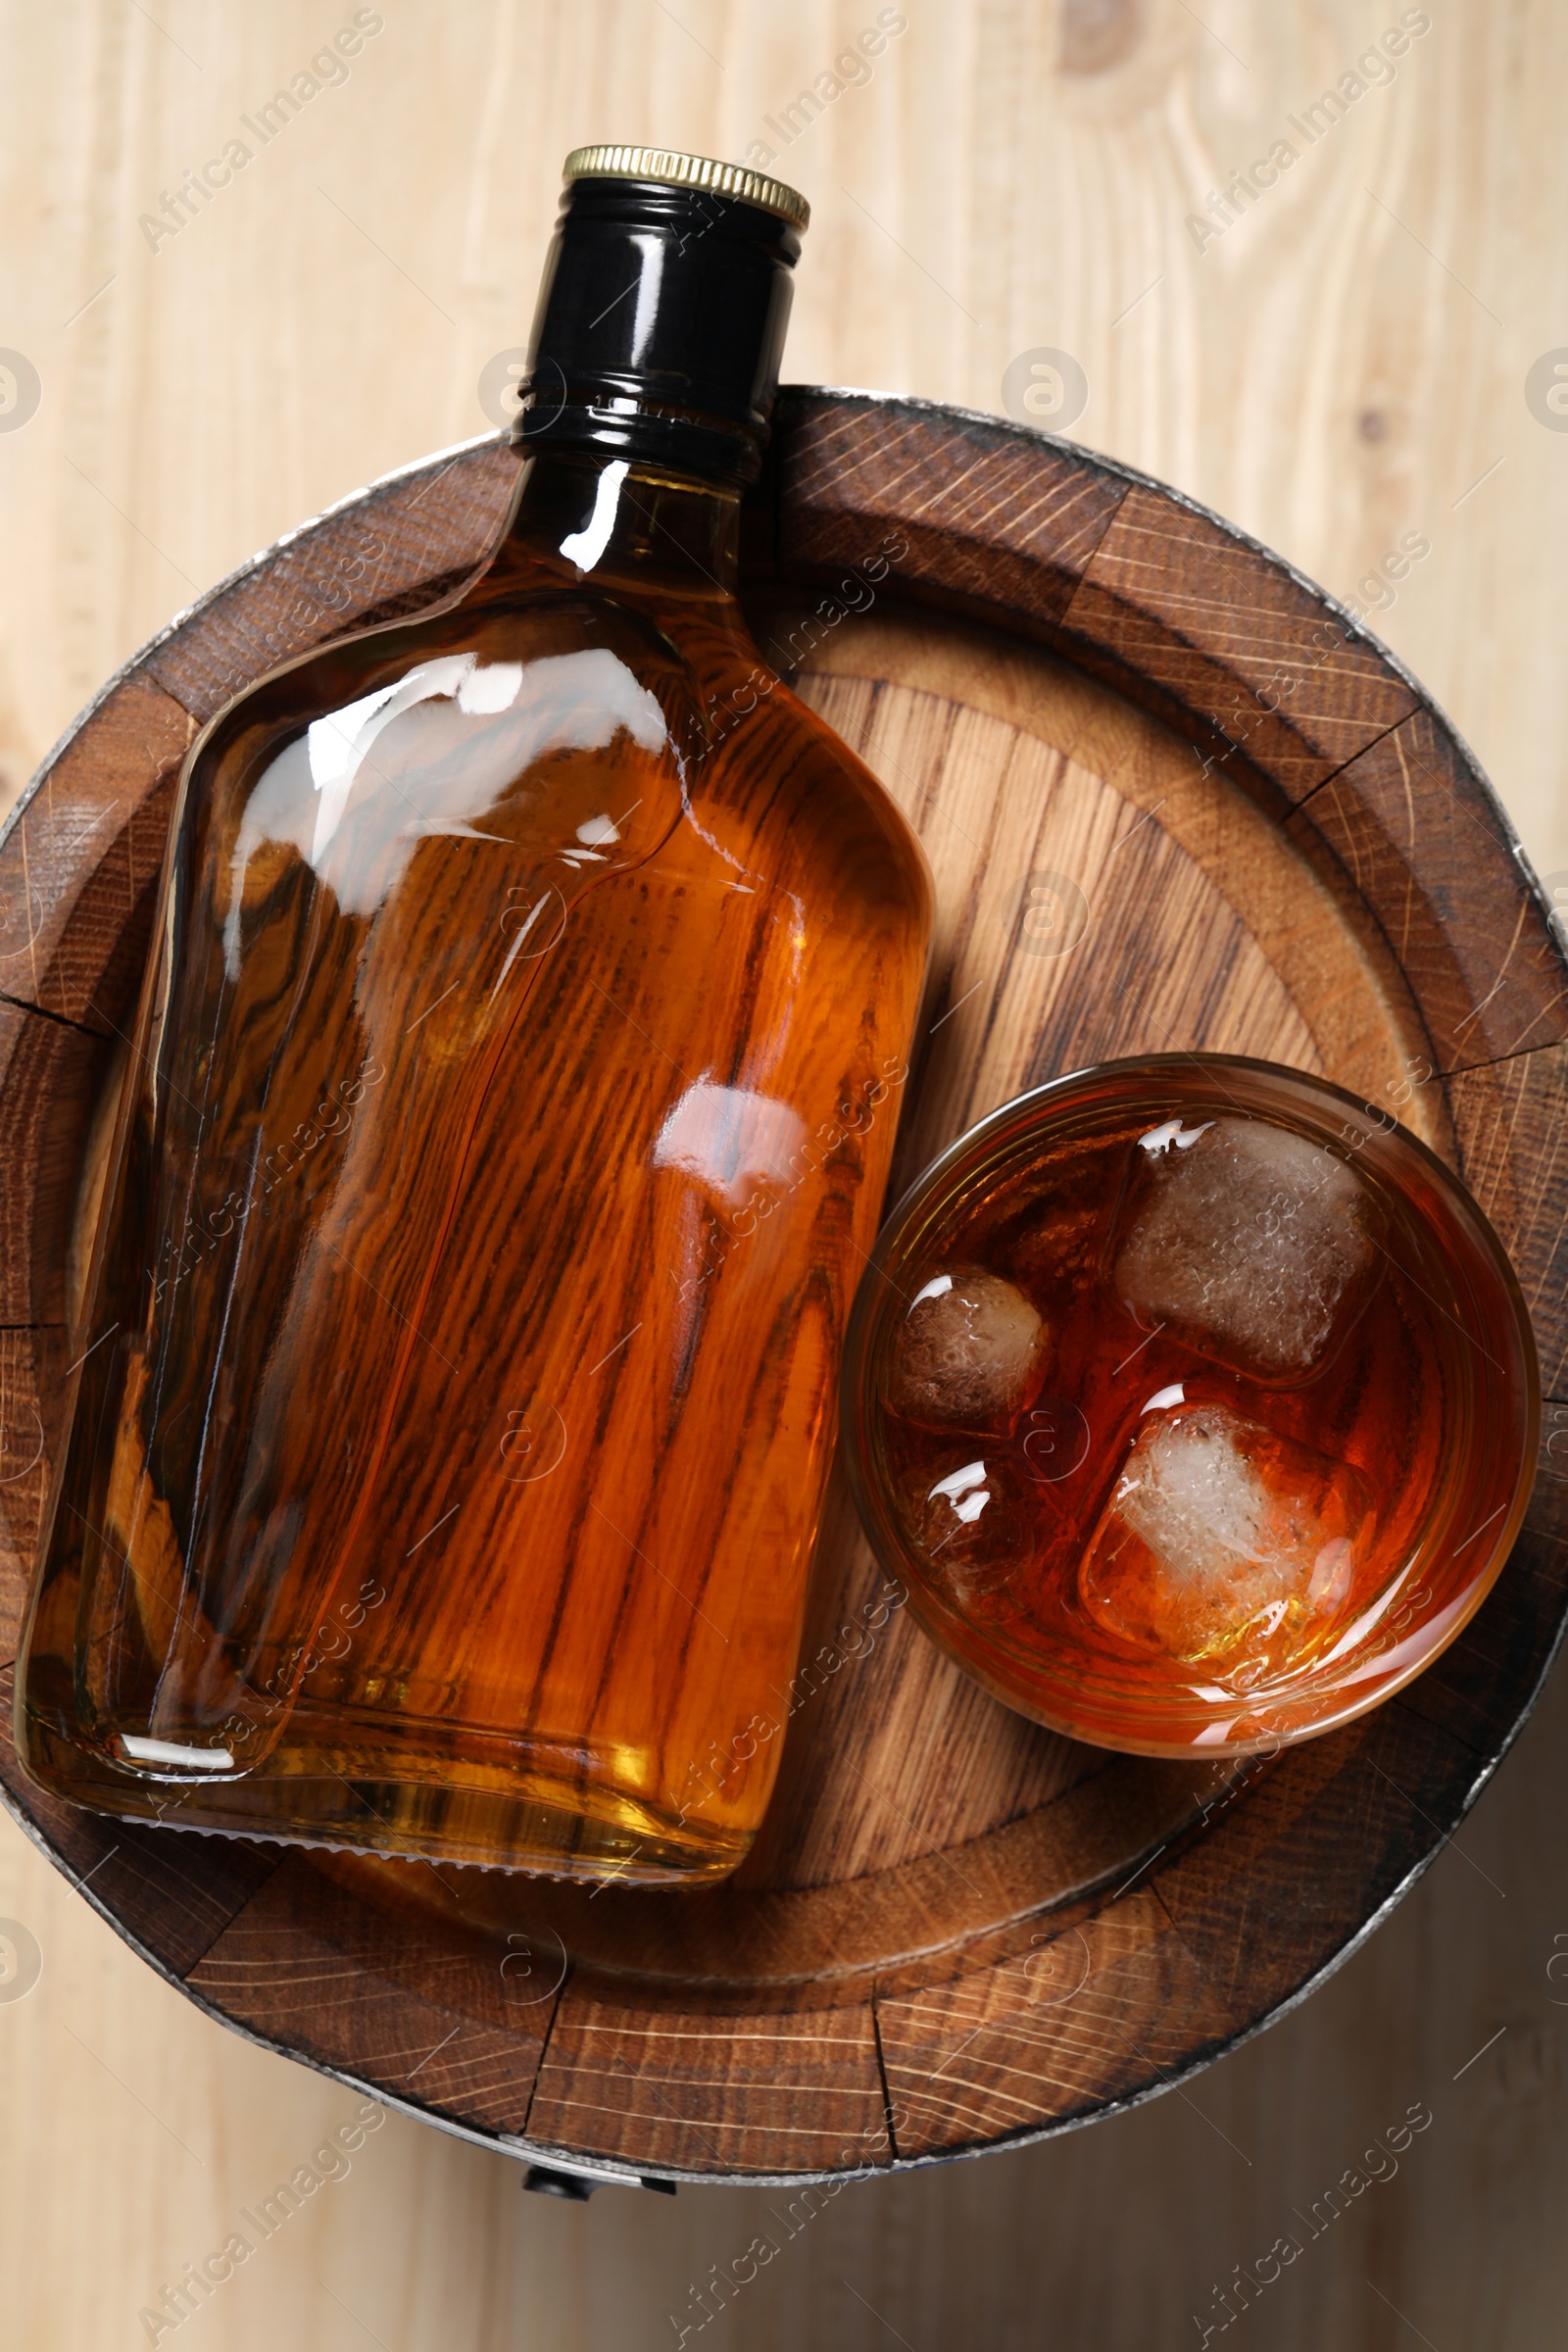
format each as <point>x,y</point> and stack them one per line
<point>390,1801</point>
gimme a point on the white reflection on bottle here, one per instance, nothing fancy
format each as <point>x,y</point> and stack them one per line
<point>735,1141</point>
<point>585,547</point>
<point>358,791</point>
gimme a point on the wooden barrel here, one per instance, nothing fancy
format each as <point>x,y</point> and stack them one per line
<point>1173,798</point>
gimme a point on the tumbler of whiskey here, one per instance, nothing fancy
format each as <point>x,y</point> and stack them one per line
<point>1197,1401</point>
<point>512,1098</point>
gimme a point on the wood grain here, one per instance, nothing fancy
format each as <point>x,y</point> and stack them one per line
<point>748,2092</point>
<point>1105,2009</point>
<point>1334,1832</point>
<point>86,852</point>
<point>1002,521</point>
<point>334,1963</point>
<point>1192,619</point>
<point>1268,908</point>
<point>32,1368</point>
<point>1413,829</point>
<point>50,1072</point>
<point>1518,1633</point>
<point>1512,1123</point>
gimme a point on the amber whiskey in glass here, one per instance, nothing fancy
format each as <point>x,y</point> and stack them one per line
<point>1196,1400</point>
<point>513,1091</point>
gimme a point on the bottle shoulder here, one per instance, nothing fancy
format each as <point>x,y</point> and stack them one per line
<point>759,729</point>
<point>439,721</point>
<point>538,619</point>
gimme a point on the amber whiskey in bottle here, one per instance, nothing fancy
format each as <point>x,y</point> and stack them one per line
<point>513,1091</point>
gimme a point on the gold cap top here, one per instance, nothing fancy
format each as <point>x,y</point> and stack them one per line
<point>689,171</point>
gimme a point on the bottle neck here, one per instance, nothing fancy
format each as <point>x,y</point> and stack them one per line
<point>625,525</point>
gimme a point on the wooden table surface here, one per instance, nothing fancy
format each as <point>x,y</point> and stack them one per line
<point>1360,366</point>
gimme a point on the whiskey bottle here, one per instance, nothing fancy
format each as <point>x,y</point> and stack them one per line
<point>514,1091</point>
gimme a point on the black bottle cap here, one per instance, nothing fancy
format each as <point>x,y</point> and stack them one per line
<point>660,321</point>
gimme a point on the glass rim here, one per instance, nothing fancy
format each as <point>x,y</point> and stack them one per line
<point>1026,1112</point>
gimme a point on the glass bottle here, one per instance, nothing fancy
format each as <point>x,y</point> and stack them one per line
<point>514,1091</point>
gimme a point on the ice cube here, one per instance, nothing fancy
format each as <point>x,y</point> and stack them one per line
<point>973,1524</point>
<point>968,1350</point>
<point>1224,1542</point>
<point>1251,1243</point>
